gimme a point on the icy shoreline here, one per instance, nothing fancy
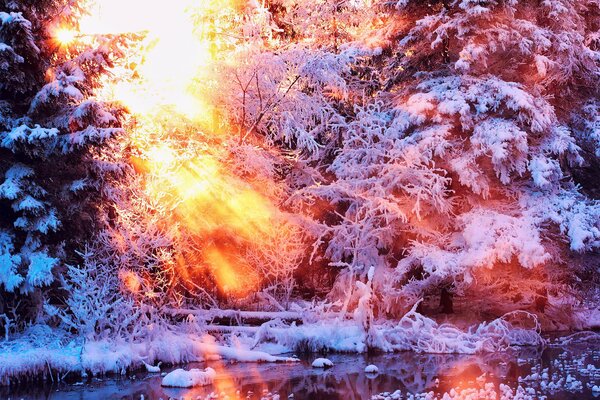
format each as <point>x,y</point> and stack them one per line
<point>23,360</point>
<point>52,354</point>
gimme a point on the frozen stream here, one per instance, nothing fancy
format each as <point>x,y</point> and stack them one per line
<point>557,373</point>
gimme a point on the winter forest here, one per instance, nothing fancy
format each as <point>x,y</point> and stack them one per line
<point>267,181</point>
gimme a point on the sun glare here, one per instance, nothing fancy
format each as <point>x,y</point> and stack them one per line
<point>161,156</point>
<point>65,36</point>
<point>175,53</point>
<point>160,84</point>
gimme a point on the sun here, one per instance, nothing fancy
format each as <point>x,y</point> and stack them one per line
<point>65,36</point>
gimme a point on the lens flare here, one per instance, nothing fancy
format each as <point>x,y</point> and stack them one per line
<point>131,281</point>
<point>233,276</point>
<point>161,156</point>
<point>175,53</point>
<point>161,81</point>
<point>65,36</point>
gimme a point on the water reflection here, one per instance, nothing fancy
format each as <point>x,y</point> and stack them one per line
<point>409,372</point>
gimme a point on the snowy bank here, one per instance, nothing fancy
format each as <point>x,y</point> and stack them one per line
<point>42,352</point>
<point>414,332</point>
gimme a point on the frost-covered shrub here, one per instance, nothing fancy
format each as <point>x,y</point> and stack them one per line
<point>96,307</point>
<point>454,167</point>
<point>412,332</point>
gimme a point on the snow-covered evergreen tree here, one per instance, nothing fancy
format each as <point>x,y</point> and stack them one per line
<point>50,129</point>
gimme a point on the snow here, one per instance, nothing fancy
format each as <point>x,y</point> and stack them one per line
<point>9,275</point>
<point>322,363</point>
<point>531,387</point>
<point>12,186</point>
<point>19,171</point>
<point>393,172</point>
<point>79,185</point>
<point>91,134</point>
<point>40,269</point>
<point>152,368</point>
<point>563,374</point>
<point>47,223</point>
<point>413,332</point>
<point>35,352</point>
<point>186,379</point>
<point>25,134</point>
<point>243,355</point>
<point>61,85</point>
<point>371,369</point>
<point>388,396</point>
<point>28,203</point>
<point>10,189</point>
<point>41,348</point>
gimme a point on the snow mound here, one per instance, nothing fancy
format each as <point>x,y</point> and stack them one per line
<point>186,379</point>
<point>152,368</point>
<point>322,363</point>
<point>371,369</point>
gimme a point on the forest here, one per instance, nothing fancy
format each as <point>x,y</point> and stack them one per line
<point>250,180</point>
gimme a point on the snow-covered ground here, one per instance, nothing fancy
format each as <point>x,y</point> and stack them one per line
<point>41,351</point>
<point>53,354</point>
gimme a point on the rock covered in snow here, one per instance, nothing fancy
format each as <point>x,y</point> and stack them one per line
<point>322,363</point>
<point>186,379</point>
<point>371,369</point>
<point>152,368</point>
